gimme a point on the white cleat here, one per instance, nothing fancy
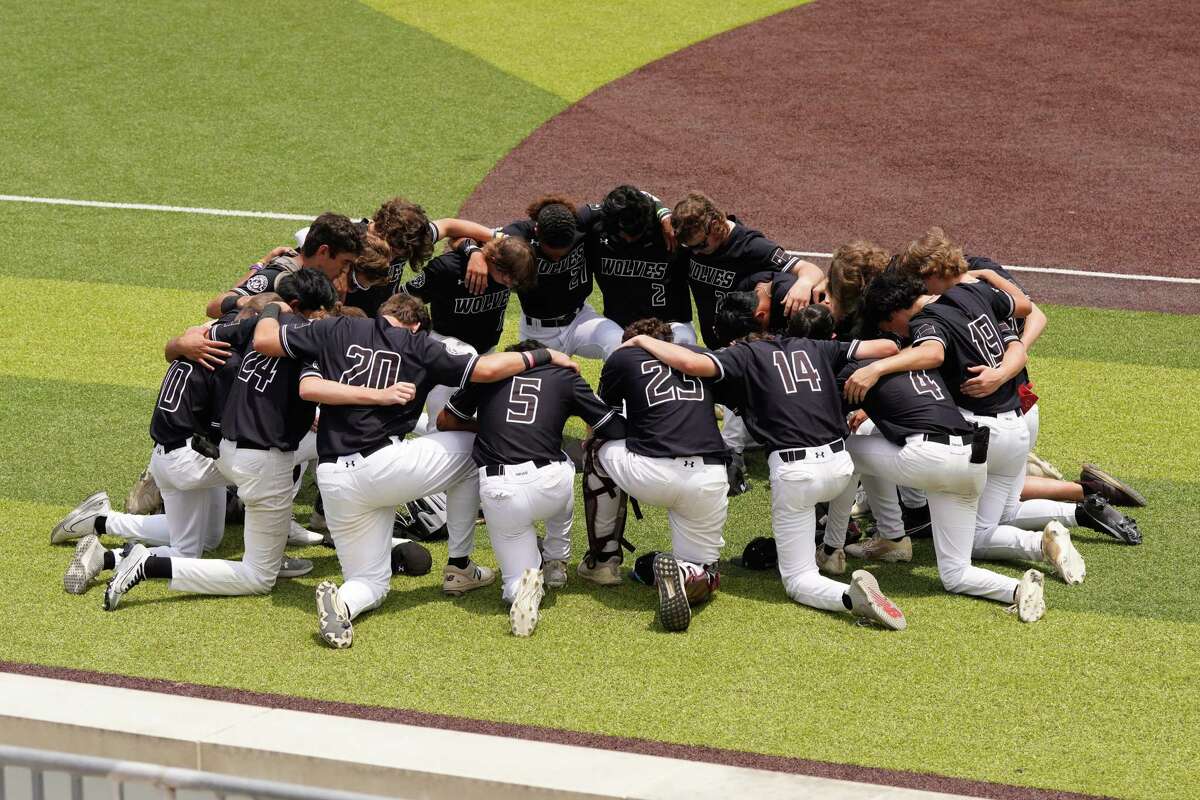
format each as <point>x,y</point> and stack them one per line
<point>868,602</point>
<point>299,537</point>
<point>1060,553</point>
<point>555,573</point>
<point>82,519</point>
<point>333,618</point>
<point>85,564</point>
<point>523,614</point>
<point>130,572</point>
<point>1030,600</point>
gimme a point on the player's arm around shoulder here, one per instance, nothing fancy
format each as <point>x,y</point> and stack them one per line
<point>498,366</point>
<point>927,355</point>
<point>699,365</point>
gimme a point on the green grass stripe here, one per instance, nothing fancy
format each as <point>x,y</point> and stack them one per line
<point>571,49</point>
<point>277,106</point>
<point>1128,337</point>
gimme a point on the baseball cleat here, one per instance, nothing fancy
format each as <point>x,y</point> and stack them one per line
<point>674,610</point>
<point>144,496</point>
<point>1029,602</point>
<point>1041,468</point>
<point>832,563</point>
<point>1096,513</point>
<point>1117,492</point>
<point>605,573</point>
<point>1059,552</point>
<point>128,574</point>
<point>523,613</point>
<point>555,572</point>
<point>736,474</point>
<point>333,618</point>
<point>868,602</point>
<point>299,537</point>
<point>82,519</point>
<point>294,567</point>
<point>85,565</point>
<point>457,582</point>
<point>880,549</point>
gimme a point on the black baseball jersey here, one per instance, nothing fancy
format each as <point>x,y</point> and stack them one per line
<point>966,321</point>
<point>372,352</point>
<point>265,279</point>
<point>781,284</point>
<point>185,403</point>
<point>903,403</point>
<point>263,407</point>
<point>1016,323</point>
<point>670,415</point>
<point>564,285</point>
<point>711,276</point>
<point>477,319</point>
<point>522,418</point>
<point>786,388</point>
<point>638,279</point>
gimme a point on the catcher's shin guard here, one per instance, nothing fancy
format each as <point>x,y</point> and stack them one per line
<point>604,510</point>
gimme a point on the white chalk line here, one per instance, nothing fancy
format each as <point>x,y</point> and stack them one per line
<point>224,212</point>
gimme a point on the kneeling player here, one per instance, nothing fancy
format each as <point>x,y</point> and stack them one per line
<point>524,475</point>
<point>787,389</point>
<point>673,457</point>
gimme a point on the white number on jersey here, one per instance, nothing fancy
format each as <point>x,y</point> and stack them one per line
<point>173,384</point>
<point>258,370</point>
<point>799,368</point>
<point>923,384</point>
<point>986,339</point>
<point>659,298</point>
<point>657,391</point>
<point>523,400</point>
<point>377,369</point>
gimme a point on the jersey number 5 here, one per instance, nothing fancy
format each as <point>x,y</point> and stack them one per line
<point>523,400</point>
<point>799,368</point>
<point>377,369</point>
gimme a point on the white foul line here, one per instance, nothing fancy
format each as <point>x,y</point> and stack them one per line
<point>224,212</point>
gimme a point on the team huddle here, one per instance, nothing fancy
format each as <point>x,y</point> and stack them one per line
<point>896,382</point>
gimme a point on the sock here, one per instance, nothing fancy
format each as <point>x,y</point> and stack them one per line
<point>110,560</point>
<point>460,561</point>
<point>846,601</point>
<point>610,549</point>
<point>829,550</point>
<point>1081,519</point>
<point>99,524</point>
<point>158,567</point>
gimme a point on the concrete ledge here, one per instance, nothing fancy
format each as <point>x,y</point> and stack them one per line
<point>373,757</point>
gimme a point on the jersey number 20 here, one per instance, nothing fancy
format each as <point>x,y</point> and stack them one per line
<point>377,369</point>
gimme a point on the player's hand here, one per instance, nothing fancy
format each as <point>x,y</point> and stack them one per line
<point>986,381</point>
<point>668,232</point>
<point>856,420</point>
<point>636,341</point>
<point>860,383</point>
<point>195,346</point>
<point>280,251</point>
<point>562,360</point>
<point>799,296</point>
<point>397,394</point>
<point>477,273</point>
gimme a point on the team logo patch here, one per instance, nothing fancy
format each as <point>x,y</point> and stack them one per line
<point>418,281</point>
<point>779,257</point>
<point>257,284</point>
<point>457,348</point>
<point>924,330</point>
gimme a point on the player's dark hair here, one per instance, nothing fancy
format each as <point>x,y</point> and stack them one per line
<point>256,304</point>
<point>652,327</point>
<point>629,211</point>
<point>524,346</point>
<point>556,220</point>
<point>407,309</point>
<point>814,321</point>
<point>306,290</point>
<point>372,267</point>
<point>405,227</point>
<point>890,292</point>
<point>336,232</point>
<point>735,316</point>
<point>514,257</point>
<point>343,310</point>
<point>695,215</point>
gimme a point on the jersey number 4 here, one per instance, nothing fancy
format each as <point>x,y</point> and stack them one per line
<point>657,391</point>
<point>796,370</point>
<point>377,369</point>
<point>923,384</point>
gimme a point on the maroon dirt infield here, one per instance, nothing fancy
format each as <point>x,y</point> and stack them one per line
<point>1042,133</point>
<point>823,769</point>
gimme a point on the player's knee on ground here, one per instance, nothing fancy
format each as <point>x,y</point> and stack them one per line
<point>952,577</point>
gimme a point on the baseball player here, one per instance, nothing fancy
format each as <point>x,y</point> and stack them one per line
<point>524,476</point>
<point>961,335</point>
<point>262,425</point>
<point>631,251</point>
<point>472,320</point>
<point>373,378</point>
<point>672,456</point>
<point>787,390</point>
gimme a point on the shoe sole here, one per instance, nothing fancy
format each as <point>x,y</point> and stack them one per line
<point>1135,497</point>
<point>883,610</point>
<point>523,614</point>
<point>1032,606</point>
<point>1069,564</point>
<point>84,567</point>
<point>336,631</point>
<point>674,611</point>
<point>61,533</point>
<point>886,558</point>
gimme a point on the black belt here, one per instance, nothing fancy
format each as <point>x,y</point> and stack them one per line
<point>363,453</point>
<point>714,460</point>
<point>246,444</point>
<point>1018,412</point>
<point>801,453</point>
<point>170,446</point>
<point>554,322</point>
<point>495,470</point>
<point>944,438</point>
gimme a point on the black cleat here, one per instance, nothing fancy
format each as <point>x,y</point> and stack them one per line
<point>738,482</point>
<point>917,524</point>
<point>674,611</point>
<point>1117,492</point>
<point>1096,513</point>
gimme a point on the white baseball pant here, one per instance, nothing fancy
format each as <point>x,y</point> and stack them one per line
<point>1008,448</point>
<point>1034,515</point>
<point>264,481</point>
<point>796,488</point>
<point>513,501</point>
<point>440,395</point>
<point>361,495</point>
<point>694,494</point>
<point>589,335</point>
<point>193,492</point>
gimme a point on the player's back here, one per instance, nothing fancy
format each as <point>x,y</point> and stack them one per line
<point>184,405</point>
<point>905,403</point>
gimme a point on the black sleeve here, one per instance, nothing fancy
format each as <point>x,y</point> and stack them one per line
<point>431,282</point>
<point>590,408</point>
<point>748,283</point>
<point>610,383</point>
<point>588,215</point>
<point>464,403</point>
<point>841,353</point>
<point>522,228</point>
<point>927,329</point>
<point>304,340</point>
<point>770,256</point>
<point>448,363</point>
<point>1003,304</point>
<point>238,334</point>
<point>731,362</point>
<point>259,282</point>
